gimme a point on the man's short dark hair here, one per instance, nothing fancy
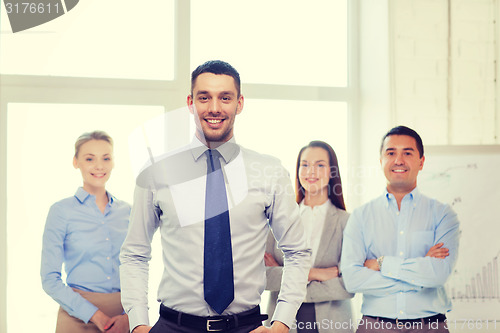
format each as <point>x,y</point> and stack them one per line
<point>217,67</point>
<point>403,130</point>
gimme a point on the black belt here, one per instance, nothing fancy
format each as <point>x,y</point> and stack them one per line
<point>437,318</point>
<point>213,323</point>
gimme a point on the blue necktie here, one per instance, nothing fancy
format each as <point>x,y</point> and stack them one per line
<point>218,281</point>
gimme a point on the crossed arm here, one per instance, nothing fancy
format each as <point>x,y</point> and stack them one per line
<point>436,251</point>
<point>315,274</point>
<point>361,271</point>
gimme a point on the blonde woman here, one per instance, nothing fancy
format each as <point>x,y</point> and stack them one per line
<point>85,232</point>
<point>327,307</point>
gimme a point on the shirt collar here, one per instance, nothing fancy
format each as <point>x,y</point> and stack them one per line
<point>321,208</point>
<point>228,150</point>
<point>82,195</point>
<point>413,195</point>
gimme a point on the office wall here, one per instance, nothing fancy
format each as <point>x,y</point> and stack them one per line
<point>443,73</point>
<point>430,65</point>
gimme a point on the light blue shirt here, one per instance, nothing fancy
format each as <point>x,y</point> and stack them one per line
<point>88,242</point>
<point>170,195</point>
<point>410,284</point>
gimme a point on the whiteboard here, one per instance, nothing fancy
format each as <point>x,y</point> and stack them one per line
<point>468,178</point>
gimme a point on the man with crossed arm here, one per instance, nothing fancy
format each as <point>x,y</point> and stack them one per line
<point>399,249</point>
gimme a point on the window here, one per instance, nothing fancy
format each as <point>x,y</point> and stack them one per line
<point>274,42</point>
<point>105,39</point>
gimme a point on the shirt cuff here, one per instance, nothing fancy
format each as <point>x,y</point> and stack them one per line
<point>87,311</point>
<point>391,267</point>
<point>285,313</point>
<point>138,316</point>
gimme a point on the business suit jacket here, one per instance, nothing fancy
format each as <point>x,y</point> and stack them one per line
<point>331,301</point>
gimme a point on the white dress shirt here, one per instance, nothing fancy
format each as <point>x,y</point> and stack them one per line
<point>170,194</point>
<point>313,219</point>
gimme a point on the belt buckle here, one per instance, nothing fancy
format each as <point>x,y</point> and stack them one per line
<point>210,321</point>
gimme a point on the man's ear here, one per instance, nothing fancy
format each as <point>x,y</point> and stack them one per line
<point>190,105</point>
<point>241,102</point>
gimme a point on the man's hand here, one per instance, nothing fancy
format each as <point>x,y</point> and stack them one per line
<point>117,324</point>
<point>277,327</point>
<point>438,251</point>
<point>269,260</point>
<point>323,274</point>
<point>372,264</point>
<point>100,319</point>
<point>142,329</point>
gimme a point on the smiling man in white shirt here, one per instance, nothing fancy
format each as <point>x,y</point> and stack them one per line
<point>173,194</point>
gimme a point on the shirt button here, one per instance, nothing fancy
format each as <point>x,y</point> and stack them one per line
<point>401,311</point>
<point>108,258</point>
<point>107,238</point>
<point>109,277</point>
<point>401,253</point>
<point>401,232</point>
<point>397,213</point>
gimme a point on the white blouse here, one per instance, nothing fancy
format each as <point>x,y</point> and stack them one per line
<point>313,219</point>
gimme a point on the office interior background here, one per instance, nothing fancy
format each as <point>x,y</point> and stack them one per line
<point>342,71</point>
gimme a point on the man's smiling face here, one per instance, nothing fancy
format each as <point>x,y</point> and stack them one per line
<point>401,163</point>
<point>215,103</point>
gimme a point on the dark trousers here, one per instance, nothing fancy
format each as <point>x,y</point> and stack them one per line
<point>306,319</point>
<point>164,326</point>
<point>173,321</point>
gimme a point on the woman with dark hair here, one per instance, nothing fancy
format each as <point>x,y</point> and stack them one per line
<point>327,307</point>
<point>84,233</point>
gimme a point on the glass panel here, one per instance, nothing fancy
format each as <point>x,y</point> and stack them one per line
<point>281,128</point>
<point>104,39</point>
<point>40,144</point>
<point>274,42</point>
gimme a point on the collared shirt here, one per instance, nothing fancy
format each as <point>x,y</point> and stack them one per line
<point>170,194</point>
<point>88,242</point>
<point>410,284</point>
<point>313,219</point>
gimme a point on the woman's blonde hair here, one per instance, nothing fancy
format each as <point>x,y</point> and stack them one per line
<point>95,135</point>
